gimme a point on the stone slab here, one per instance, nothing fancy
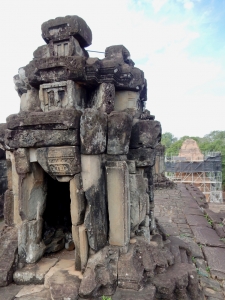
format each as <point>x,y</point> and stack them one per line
<point>9,292</point>
<point>8,251</point>
<point>143,156</point>
<point>55,29</point>
<point>147,293</point>
<point>216,218</point>
<point>118,202</point>
<point>59,119</point>
<point>195,220</point>
<point>64,285</point>
<point>78,201</point>
<point>93,131</point>
<point>41,138</point>
<point>119,131</point>
<point>59,161</point>
<point>207,236</point>
<point>193,211</point>
<point>96,219</point>
<point>34,274</point>
<point>62,264</point>
<point>216,262</point>
<point>145,133</point>
<point>42,295</point>
<point>30,289</point>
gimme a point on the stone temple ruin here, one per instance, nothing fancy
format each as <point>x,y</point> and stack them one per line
<point>80,156</point>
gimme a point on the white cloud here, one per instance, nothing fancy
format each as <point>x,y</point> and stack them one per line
<point>176,81</point>
<point>158,4</point>
<point>188,5</point>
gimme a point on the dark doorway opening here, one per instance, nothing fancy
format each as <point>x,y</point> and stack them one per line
<point>57,218</point>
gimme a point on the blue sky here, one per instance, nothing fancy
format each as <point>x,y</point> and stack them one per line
<point>180,45</point>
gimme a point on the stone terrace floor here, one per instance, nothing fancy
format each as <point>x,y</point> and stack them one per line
<point>181,213</point>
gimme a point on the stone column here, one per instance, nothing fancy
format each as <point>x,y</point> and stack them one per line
<point>96,221</point>
<point>77,208</point>
<point>118,202</point>
<point>11,205</point>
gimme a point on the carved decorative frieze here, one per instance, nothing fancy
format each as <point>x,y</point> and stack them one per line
<point>59,161</point>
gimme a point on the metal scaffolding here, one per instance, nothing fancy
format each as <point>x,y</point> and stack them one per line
<point>206,174</point>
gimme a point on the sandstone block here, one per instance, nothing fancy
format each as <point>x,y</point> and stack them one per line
<point>81,246</point>
<point>131,166</point>
<point>33,192</point>
<point>30,244</point>
<point>119,131</point>
<point>14,182</point>
<point>29,101</point>
<point>57,95</point>
<point>145,133</point>
<point>96,221</point>
<point>22,160</point>
<point>78,201</point>
<point>63,68</point>
<point>55,119</point>
<point>130,269</point>
<point>100,276</point>
<point>8,255</point>
<point>118,202</point>
<point>147,293</point>
<point>63,27</point>
<point>104,97</point>
<point>68,290</point>
<point>93,131</point>
<point>59,161</point>
<point>143,156</point>
<point>215,260</point>
<point>3,184</point>
<point>3,127</point>
<point>9,170</point>
<point>9,208</point>
<point>1,206</point>
<point>75,234</point>
<point>138,200</point>
<point>34,274</point>
<point>41,138</point>
<point>126,99</point>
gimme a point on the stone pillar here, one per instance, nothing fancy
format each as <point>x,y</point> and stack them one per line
<point>33,192</point>
<point>77,208</point>
<point>11,205</point>
<point>30,244</point>
<point>96,219</point>
<point>118,202</point>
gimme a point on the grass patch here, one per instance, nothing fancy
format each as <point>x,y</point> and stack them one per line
<point>208,219</point>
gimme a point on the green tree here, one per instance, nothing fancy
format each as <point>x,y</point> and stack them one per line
<point>168,139</point>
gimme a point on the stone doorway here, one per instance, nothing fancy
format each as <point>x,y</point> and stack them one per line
<point>57,225</point>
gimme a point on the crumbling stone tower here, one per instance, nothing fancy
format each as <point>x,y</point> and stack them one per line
<point>79,157</point>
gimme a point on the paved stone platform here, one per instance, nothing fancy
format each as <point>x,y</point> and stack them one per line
<point>183,215</point>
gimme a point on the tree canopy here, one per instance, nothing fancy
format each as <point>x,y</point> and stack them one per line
<point>214,141</point>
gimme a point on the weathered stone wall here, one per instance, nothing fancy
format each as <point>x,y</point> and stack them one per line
<point>83,142</point>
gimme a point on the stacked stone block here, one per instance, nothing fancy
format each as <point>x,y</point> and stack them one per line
<point>83,125</point>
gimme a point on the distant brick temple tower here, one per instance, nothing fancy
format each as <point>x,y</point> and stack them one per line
<point>192,166</point>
